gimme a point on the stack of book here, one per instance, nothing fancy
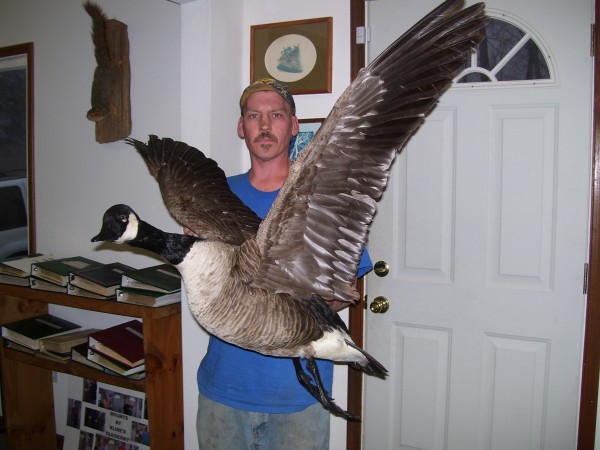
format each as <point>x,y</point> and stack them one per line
<point>17,271</point>
<point>59,347</point>
<point>119,349</point>
<point>151,286</point>
<point>98,282</point>
<point>53,275</point>
<point>26,334</point>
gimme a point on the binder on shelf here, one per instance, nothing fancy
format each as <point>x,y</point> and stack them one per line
<point>147,298</point>
<point>57,270</point>
<point>14,281</point>
<point>102,280</point>
<point>112,365</point>
<point>21,267</point>
<point>75,290</point>
<point>123,343</point>
<point>79,354</point>
<point>18,347</point>
<point>161,278</point>
<point>63,343</point>
<point>53,356</point>
<point>43,285</point>
<point>132,376</point>
<point>29,332</point>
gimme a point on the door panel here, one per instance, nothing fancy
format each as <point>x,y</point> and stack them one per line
<point>484,225</point>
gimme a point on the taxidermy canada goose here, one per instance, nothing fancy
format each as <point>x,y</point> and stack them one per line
<point>262,285</point>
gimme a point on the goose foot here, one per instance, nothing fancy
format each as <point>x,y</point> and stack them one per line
<point>317,390</point>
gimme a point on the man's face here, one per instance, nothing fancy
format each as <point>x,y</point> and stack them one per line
<point>267,125</point>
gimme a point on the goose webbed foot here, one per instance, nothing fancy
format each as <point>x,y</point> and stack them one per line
<point>317,390</point>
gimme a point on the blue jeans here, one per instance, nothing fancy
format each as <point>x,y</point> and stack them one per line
<point>226,428</point>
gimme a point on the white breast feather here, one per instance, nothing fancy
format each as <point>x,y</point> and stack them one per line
<point>205,270</point>
<point>333,346</point>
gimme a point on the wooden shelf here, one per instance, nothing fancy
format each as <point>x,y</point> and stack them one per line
<point>28,400</point>
<point>72,301</point>
<point>74,368</point>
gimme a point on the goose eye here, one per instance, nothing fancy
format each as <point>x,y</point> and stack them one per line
<point>123,218</point>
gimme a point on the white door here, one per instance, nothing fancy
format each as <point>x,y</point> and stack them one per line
<point>484,228</point>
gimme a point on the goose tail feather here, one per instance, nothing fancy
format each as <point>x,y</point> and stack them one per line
<point>371,366</point>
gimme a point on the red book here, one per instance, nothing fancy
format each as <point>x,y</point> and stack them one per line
<point>123,343</point>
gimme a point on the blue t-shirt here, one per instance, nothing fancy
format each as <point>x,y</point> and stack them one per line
<point>247,380</point>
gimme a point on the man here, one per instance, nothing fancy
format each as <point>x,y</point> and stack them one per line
<point>248,400</point>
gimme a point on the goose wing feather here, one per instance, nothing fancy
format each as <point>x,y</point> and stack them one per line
<point>312,238</point>
<point>195,191</point>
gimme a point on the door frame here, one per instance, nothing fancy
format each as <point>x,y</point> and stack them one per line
<point>590,375</point>
<point>356,315</point>
<point>588,406</point>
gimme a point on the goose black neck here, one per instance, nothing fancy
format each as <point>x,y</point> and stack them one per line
<point>171,246</point>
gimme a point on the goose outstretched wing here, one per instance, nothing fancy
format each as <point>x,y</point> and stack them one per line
<point>195,191</point>
<point>312,239</point>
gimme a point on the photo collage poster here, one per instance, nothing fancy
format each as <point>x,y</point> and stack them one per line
<point>104,417</point>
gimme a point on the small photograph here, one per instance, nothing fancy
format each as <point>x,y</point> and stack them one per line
<point>89,391</point>
<point>308,129</point>
<point>120,403</point>
<point>140,433</point>
<point>94,419</point>
<point>109,443</point>
<point>134,407</point>
<point>74,413</point>
<point>109,399</point>
<point>86,441</point>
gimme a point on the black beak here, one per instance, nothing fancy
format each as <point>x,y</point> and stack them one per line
<point>114,223</point>
<point>98,237</point>
<point>111,230</point>
<point>104,235</point>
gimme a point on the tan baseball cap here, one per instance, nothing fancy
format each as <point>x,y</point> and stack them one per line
<point>268,84</point>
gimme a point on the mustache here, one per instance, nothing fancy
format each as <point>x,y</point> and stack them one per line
<point>265,135</point>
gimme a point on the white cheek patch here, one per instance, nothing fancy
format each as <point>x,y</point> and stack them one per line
<point>131,231</point>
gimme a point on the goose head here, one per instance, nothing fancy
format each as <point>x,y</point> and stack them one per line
<point>120,224</point>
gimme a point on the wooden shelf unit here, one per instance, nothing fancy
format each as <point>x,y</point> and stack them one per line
<point>28,400</point>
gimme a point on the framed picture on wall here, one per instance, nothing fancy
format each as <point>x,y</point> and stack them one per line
<point>308,128</point>
<point>297,53</point>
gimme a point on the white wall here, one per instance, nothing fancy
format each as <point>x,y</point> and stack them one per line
<point>76,178</point>
<point>211,41</point>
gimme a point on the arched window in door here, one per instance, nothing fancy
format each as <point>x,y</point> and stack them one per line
<point>509,54</point>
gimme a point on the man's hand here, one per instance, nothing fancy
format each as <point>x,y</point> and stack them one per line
<point>189,232</point>
<point>337,305</point>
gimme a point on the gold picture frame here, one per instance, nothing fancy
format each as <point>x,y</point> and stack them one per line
<point>297,53</point>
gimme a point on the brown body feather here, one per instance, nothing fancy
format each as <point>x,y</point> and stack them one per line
<point>196,192</point>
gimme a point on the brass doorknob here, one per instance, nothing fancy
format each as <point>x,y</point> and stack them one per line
<point>381,268</point>
<point>380,305</point>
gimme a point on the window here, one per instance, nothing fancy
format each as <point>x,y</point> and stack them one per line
<point>509,54</point>
<point>12,205</point>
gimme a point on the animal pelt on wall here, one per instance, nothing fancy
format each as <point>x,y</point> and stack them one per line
<point>105,74</point>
